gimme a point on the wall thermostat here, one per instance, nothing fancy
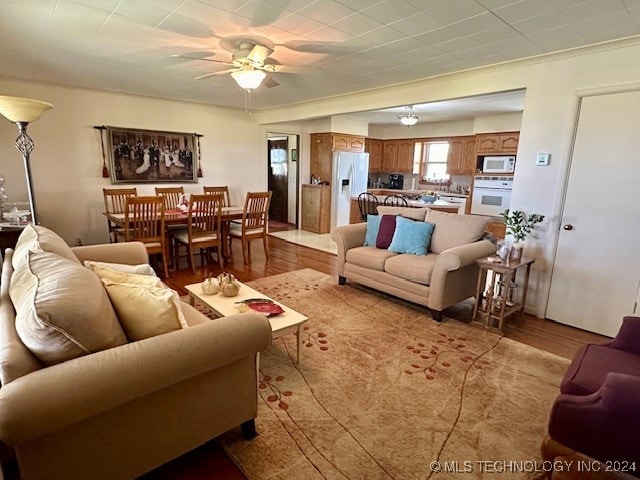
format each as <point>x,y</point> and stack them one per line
<point>542,159</point>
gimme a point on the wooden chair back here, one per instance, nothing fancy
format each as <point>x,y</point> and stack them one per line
<point>367,204</point>
<point>115,198</point>
<point>224,190</point>
<point>204,216</point>
<point>256,211</point>
<point>172,196</point>
<point>144,219</point>
<point>396,201</point>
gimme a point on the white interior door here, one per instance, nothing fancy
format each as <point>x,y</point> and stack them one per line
<point>597,265</point>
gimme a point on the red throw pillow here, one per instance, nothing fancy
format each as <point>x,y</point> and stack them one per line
<point>386,231</point>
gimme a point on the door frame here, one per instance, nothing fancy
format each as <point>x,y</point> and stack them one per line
<point>269,134</point>
<point>566,172</point>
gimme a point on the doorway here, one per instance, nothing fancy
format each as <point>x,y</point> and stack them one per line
<point>282,177</point>
<point>597,267</point>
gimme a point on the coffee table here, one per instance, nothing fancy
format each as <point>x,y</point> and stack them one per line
<point>288,322</point>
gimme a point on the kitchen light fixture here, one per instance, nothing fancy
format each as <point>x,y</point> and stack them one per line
<point>409,118</point>
<point>23,111</point>
<point>248,78</point>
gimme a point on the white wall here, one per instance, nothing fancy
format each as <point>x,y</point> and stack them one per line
<point>552,84</point>
<point>67,160</point>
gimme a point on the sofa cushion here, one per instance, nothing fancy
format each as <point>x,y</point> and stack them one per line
<point>368,257</point>
<point>452,230</point>
<point>41,238</point>
<point>144,306</point>
<point>373,226</point>
<point>386,231</point>
<point>62,310</point>
<point>411,237</point>
<point>406,212</point>
<point>591,365</point>
<point>415,268</point>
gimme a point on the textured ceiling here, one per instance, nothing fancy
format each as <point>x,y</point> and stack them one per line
<point>344,45</point>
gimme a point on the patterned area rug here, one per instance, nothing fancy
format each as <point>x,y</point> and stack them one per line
<point>382,391</point>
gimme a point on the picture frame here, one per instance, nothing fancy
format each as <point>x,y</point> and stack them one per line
<point>150,156</point>
<point>294,154</point>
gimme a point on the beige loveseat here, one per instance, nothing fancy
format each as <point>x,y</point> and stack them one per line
<point>446,275</point>
<point>120,412</point>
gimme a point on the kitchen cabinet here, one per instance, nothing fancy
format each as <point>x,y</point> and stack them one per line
<point>347,143</point>
<point>497,228</point>
<point>404,161</point>
<point>321,156</point>
<point>461,159</point>
<point>373,147</point>
<point>497,143</point>
<point>316,208</point>
<point>389,155</point>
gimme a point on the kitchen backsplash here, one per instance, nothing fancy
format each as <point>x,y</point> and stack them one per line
<point>381,180</point>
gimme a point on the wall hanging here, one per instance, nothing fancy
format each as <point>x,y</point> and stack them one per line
<point>149,156</point>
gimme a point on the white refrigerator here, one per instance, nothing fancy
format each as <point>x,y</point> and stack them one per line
<point>350,177</point>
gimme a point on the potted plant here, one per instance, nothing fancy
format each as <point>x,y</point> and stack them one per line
<point>519,225</point>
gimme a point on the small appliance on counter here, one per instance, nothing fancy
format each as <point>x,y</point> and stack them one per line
<point>396,181</point>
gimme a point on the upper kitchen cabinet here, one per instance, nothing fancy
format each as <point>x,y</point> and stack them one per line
<point>404,163</point>
<point>497,143</point>
<point>389,156</point>
<point>461,159</point>
<point>321,156</point>
<point>373,147</point>
<point>347,143</point>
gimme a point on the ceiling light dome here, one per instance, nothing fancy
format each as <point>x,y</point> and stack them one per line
<point>249,78</point>
<point>409,118</point>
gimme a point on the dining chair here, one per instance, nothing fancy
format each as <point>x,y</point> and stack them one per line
<point>396,201</point>
<point>368,205</point>
<point>144,222</point>
<point>114,202</point>
<point>255,218</point>
<point>203,228</point>
<point>223,190</point>
<point>172,196</point>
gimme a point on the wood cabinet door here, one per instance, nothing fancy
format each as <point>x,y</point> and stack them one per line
<point>488,143</point>
<point>310,208</point>
<point>404,162</point>
<point>509,142</point>
<point>454,157</point>
<point>356,144</point>
<point>341,142</point>
<point>389,155</point>
<point>469,158</point>
<point>321,156</point>
<point>498,229</point>
<point>374,148</point>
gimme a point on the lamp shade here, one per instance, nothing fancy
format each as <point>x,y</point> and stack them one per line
<point>248,78</point>
<point>18,109</point>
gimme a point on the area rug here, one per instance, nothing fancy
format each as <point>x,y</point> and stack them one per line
<point>384,392</point>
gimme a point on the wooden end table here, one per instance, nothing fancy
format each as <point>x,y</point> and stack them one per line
<point>501,299</point>
<point>288,322</point>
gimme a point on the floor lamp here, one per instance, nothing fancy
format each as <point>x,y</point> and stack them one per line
<point>23,111</point>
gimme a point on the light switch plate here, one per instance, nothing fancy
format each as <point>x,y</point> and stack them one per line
<point>542,159</point>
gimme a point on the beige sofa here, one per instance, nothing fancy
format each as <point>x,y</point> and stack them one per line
<point>123,411</point>
<point>447,275</point>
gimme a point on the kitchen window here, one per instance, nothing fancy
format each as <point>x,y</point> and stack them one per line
<point>433,165</point>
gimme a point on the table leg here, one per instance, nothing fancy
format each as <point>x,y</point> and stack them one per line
<point>298,342</point>
<point>224,233</point>
<point>191,300</point>
<point>506,282</point>
<point>525,288</point>
<point>476,305</point>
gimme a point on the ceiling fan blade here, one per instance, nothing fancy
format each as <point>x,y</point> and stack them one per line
<point>269,82</point>
<point>201,58</point>
<point>259,54</point>
<point>221,72</point>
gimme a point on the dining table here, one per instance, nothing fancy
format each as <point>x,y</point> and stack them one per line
<point>178,217</point>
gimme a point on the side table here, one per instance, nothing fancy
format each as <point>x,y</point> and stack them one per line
<point>502,298</point>
<point>9,236</point>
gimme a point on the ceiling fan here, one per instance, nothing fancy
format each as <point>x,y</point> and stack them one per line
<point>249,67</point>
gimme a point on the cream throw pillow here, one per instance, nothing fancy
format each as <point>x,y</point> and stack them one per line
<point>143,304</point>
<point>62,310</point>
<point>35,237</point>
<point>453,230</point>
<point>142,269</point>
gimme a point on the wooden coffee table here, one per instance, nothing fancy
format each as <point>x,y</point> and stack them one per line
<point>288,322</point>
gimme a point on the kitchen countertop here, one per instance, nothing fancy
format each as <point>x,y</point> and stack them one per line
<point>417,192</point>
<point>416,203</point>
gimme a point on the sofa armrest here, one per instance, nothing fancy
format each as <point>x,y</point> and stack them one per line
<point>461,256</point>
<point>347,237</point>
<point>131,253</point>
<point>61,395</point>
<point>628,337</point>
<point>604,425</point>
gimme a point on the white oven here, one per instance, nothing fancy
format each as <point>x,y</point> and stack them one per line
<point>491,195</point>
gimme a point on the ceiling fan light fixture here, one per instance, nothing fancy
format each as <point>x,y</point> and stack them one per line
<point>409,118</point>
<point>248,78</point>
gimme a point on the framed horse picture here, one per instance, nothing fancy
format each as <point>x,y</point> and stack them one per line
<point>148,156</point>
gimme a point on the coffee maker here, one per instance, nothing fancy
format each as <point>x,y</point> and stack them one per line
<point>396,181</point>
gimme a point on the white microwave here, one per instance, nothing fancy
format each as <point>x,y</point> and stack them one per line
<point>504,164</point>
